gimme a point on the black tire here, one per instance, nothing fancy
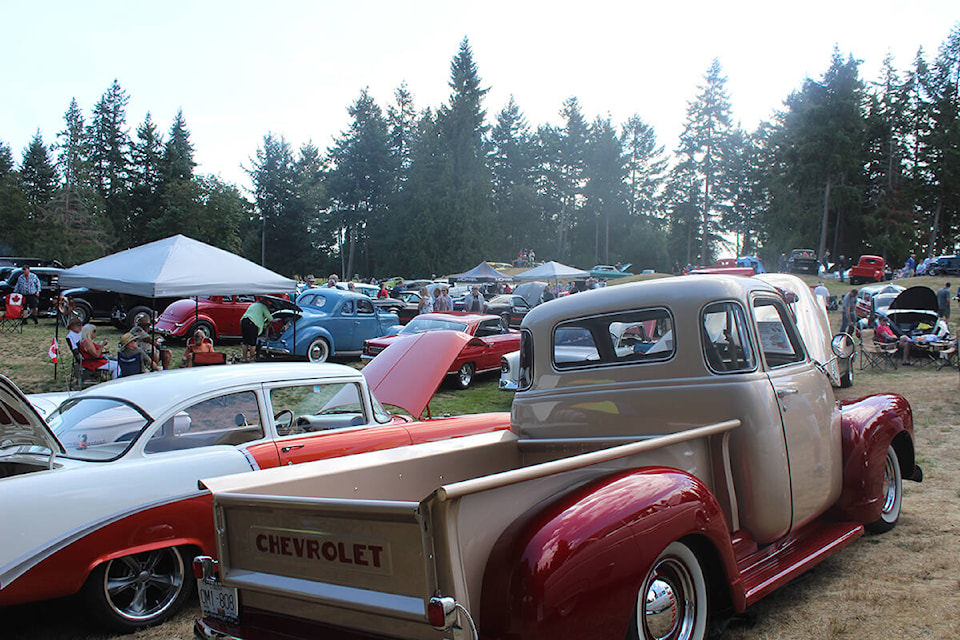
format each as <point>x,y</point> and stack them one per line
<point>318,350</point>
<point>130,321</point>
<point>139,590</point>
<point>892,494</point>
<point>202,324</point>
<point>846,378</point>
<point>82,310</point>
<point>672,600</point>
<point>464,375</point>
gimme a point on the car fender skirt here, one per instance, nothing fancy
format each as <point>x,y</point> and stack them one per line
<point>572,569</point>
<point>869,426</point>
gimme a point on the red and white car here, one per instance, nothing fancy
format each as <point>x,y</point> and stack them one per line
<point>99,489</point>
<point>491,340</point>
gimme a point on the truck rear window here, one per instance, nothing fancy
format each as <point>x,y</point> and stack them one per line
<point>644,335</point>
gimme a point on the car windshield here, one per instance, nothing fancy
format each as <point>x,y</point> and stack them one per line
<point>96,429</point>
<point>422,325</point>
<point>316,300</point>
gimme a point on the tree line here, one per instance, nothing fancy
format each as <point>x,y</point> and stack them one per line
<point>847,165</point>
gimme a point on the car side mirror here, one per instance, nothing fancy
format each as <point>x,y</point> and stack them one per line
<point>842,345</point>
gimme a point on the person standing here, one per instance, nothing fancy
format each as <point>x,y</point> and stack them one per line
<point>822,293</point>
<point>28,285</point>
<point>447,299</point>
<point>473,302</point>
<point>943,301</point>
<point>252,323</point>
<point>848,310</point>
<point>426,301</point>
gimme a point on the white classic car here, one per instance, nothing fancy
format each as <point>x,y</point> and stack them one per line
<point>100,495</point>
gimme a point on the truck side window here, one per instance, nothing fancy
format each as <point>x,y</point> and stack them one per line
<point>778,339</point>
<point>316,407</point>
<point>230,419</point>
<point>644,335</point>
<point>726,345</point>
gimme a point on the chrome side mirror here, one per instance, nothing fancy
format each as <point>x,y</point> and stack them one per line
<point>842,345</point>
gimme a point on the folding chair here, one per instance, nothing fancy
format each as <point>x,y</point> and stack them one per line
<point>204,358</point>
<point>130,364</point>
<point>876,354</point>
<point>79,375</point>
<point>12,318</point>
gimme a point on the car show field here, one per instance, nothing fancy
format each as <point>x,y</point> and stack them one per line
<point>901,584</point>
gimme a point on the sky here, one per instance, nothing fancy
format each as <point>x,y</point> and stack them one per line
<point>240,69</point>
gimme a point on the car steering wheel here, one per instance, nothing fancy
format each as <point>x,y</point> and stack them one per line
<point>281,425</point>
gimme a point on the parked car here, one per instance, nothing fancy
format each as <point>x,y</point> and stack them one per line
<point>49,287</point>
<point>803,261</point>
<point>325,323</point>
<point>121,309</point>
<point>868,269</point>
<point>406,306</point>
<point>101,497</point>
<point>492,339</point>
<point>607,271</point>
<point>510,307</point>
<point>914,312</point>
<point>945,266</point>
<point>874,298</point>
<point>368,290</point>
<point>219,316</point>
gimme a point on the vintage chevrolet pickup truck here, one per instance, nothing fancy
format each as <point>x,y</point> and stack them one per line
<point>646,489</point>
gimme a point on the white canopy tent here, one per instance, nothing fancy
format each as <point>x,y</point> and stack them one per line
<point>552,271</point>
<point>177,266</point>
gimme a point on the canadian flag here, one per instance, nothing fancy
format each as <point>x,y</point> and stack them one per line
<point>54,349</point>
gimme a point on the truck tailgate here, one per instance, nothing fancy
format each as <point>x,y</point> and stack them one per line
<point>357,555</point>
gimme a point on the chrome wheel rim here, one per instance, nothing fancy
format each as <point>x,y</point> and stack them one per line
<point>144,585</point>
<point>889,486</point>
<point>669,608</point>
<point>318,351</point>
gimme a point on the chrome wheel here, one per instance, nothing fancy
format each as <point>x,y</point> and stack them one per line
<point>139,590</point>
<point>465,375</point>
<point>672,602</point>
<point>318,351</point>
<point>892,494</point>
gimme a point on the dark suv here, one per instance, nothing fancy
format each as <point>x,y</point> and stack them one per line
<point>945,266</point>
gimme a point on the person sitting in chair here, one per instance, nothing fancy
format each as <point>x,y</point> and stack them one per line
<point>199,343</point>
<point>158,355</point>
<point>130,359</point>
<point>92,355</point>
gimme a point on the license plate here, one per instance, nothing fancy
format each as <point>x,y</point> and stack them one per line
<point>218,601</point>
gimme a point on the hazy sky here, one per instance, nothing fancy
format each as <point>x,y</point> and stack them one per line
<point>241,69</point>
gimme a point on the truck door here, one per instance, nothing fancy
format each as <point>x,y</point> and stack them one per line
<point>808,411</point>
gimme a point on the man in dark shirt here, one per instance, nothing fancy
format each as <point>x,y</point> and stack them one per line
<point>943,301</point>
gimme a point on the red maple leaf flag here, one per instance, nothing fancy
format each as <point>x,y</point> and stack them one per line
<point>54,349</point>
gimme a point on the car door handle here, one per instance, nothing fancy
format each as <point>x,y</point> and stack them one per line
<point>783,393</point>
<point>290,448</point>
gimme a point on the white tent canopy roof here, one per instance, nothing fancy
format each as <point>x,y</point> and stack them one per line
<point>552,271</point>
<point>177,266</point>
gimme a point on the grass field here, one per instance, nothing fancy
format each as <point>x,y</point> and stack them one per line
<point>903,584</point>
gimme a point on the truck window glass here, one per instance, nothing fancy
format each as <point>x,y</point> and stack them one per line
<point>230,419</point>
<point>726,345</point>
<point>644,335</point>
<point>316,407</point>
<point>778,340</point>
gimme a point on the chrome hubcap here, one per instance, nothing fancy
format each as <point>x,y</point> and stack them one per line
<point>668,612</point>
<point>889,486</point>
<point>144,585</point>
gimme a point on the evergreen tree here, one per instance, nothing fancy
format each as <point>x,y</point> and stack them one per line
<point>604,192</point>
<point>178,161</point>
<point>110,155</point>
<point>513,160</point>
<point>360,180</point>
<point>38,176</point>
<point>147,184</point>
<point>704,147</point>
<point>17,238</point>
<point>563,165</point>
<point>402,130</point>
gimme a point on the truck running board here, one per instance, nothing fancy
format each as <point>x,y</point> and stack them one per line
<point>771,567</point>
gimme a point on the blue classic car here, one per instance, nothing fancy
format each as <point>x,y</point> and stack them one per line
<point>325,323</point>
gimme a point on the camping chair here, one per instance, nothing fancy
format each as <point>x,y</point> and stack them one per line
<point>130,363</point>
<point>12,318</point>
<point>876,354</point>
<point>204,358</point>
<point>79,375</point>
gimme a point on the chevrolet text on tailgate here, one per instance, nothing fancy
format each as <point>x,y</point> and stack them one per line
<point>675,455</point>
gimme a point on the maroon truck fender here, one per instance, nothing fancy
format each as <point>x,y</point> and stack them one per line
<point>869,426</point>
<point>573,569</point>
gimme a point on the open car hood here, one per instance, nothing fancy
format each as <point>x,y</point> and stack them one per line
<point>408,372</point>
<point>913,305</point>
<point>20,424</point>
<point>532,292</point>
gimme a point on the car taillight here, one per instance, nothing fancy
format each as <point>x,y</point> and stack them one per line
<point>441,611</point>
<point>206,568</point>
<point>503,365</point>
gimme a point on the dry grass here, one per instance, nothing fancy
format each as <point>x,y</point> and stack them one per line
<point>903,584</point>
